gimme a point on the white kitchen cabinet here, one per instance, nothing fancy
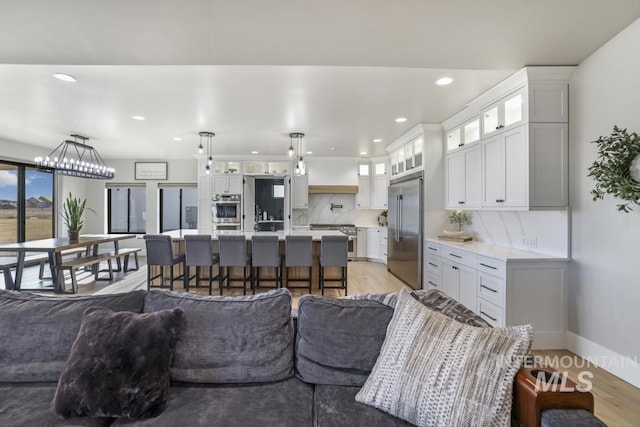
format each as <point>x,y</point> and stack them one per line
<point>361,242</point>
<point>227,184</point>
<point>372,185</point>
<point>383,244</point>
<point>300,191</point>
<point>373,243</point>
<point>459,276</point>
<point>380,196</point>
<point>463,175</point>
<point>363,198</point>
<point>508,112</point>
<point>464,134</point>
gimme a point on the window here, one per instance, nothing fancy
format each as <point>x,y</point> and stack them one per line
<point>178,208</point>
<point>26,203</point>
<point>127,207</point>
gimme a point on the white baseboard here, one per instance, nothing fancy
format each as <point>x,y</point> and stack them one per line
<point>623,367</point>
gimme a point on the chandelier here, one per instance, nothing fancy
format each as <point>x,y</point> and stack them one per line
<point>299,168</point>
<point>209,136</point>
<point>76,158</point>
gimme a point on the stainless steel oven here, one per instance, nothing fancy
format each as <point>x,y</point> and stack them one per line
<point>226,211</point>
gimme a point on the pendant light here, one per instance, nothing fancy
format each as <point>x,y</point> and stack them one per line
<point>76,158</point>
<point>209,136</point>
<point>299,168</point>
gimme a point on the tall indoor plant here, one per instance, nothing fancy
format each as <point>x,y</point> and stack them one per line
<point>72,212</point>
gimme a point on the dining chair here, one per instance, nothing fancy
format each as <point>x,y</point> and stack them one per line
<point>298,253</point>
<point>160,254</point>
<point>333,253</point>
<point>199,253</point>
<point>265,253</point>
<point>233,253</point>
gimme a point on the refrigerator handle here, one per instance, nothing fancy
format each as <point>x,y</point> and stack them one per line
<point>400,209</point>
<point>397,236</point>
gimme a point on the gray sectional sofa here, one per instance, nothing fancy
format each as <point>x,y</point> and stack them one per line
<point>239,361</point>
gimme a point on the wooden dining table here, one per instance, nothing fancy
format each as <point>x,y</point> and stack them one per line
<point>54,248</point>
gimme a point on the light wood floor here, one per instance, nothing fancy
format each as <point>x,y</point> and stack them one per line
<point>617,403</point>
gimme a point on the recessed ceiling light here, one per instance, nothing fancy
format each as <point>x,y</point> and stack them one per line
<point>363,153</point>
<point>309,152</point>
<point>377,140</point>
<point>254,152</point>
<point>65,77</point>
<point>177,138</point>
<point>443,81</point>
<point>401,119</point>
<point>137,117</point>
<point>333,148</point>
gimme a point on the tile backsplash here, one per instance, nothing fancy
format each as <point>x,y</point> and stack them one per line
<point>320,211</point>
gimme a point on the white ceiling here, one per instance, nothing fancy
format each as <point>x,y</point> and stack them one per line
<point>252,71</point>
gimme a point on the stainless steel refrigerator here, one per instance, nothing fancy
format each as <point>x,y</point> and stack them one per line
<point>404,253</point>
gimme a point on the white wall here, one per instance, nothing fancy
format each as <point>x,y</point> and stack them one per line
<point>604,280</point>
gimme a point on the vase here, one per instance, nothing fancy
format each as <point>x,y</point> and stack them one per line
<point>73,235</point>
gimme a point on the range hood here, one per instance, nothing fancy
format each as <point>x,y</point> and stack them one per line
<point>333,189</point>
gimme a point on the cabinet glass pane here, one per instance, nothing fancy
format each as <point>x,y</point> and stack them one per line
<point>490,120</point>
<point>472,131</point>
<point>218,167</point>
<point>513,110</point>
<point>254,167</point>
<point>417,152</point>
<point>363,169</point>
<point>453,139</point>
<point>408,156</point>
<point>400,160</point>
<point>234,167</point>
<point>380,168</point>
<point>278,167</point>
<point>394,163</point>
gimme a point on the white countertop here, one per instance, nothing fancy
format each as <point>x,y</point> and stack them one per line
<point>498,252</point>
<point>315,235</point>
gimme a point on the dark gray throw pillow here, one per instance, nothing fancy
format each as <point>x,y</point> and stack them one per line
<point>119,364</point>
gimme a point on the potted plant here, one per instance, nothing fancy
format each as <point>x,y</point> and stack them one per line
<point>72,212</point>
<point>460,218</point>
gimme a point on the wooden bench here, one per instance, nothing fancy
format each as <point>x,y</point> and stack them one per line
<point>73,265</point>
<point>7,263</point>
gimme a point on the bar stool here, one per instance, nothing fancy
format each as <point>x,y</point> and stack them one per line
<point>199,253</point>
<point>264,253</point>
<point>333,253</point>
<point>298,253</point>
<point>160,253</point>
<point>233,253</point>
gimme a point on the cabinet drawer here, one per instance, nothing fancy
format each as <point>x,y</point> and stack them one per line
<point>462,257</point>
<point>491,288</point>
<point>432,281</point>
<point>432,264</point>
<point>432,248</point>
<point>493,314</point>
<point>492,266</point>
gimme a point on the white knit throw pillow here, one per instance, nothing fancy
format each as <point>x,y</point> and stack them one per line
<point>435,371</point>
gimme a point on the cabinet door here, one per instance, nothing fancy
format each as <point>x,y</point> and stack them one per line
<point>300,191</point>
<point>467,287</point>
<point>204,202</point>
<point>450,278</point>
<point>472,175</point>
<point>454,183</point>
<point>383,244</point>
<point>361,242</point>
<point>493,167</point>
<point>363,198</point>
<point>380,192</point>
<point>454,139</point>
<point>373,243</point>
<point>516,167</point>
<point>220,184</point>
<point>490,120</point>
<point>235,184</point>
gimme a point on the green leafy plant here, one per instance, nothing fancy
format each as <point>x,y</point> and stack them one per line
<point>615,168</point>
<point>72,212</point>
<point>460,218</point>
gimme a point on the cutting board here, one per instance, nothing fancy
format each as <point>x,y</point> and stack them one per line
<point>459,239</point>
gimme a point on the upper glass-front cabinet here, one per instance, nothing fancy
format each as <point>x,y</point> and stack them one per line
<point>507,112</point>
<point>466,133</point>
<point>266,168</point>
<point>417,152</point>
<point>406,158</point>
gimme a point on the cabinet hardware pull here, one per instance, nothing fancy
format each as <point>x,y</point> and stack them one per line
<point>432,264</point>
<point>454,267</point>
<point>492,290</point>
<point>488,266</point>
<point>460,145</point>
<point>485,314</point>
<point>499,200</point>
<point>432,284</point>
<point>455,256</point>
<point>431,249</point>
<point>461,202</point>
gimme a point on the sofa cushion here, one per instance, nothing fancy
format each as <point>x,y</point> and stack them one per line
<point>283,403</point>
<point>339,340</point>
<point>230,339</point>
<point>37,332</point>
<point>569,417</point>
<point>119,364</point>
<point>27,405</point>
<point>433,370</point>
<point>443,303</point>
<point>335,406</point>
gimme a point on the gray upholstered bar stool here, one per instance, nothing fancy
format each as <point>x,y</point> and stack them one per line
<point>298,253</point>
<point>233,253</point>
<point>160,253</point>
<point>333,253</point>
<point>199,253</point>
<point>265,253</point>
